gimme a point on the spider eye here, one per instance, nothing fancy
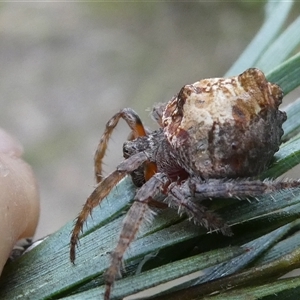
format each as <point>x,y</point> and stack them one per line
<point>234,146</point>
<point>126,152</point>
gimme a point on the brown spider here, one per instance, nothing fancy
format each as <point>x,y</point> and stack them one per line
<point>216,136</point>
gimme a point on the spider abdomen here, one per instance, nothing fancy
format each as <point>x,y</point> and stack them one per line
<point>226,127</point>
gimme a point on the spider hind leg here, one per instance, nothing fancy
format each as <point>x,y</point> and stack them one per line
<point>180,197</point>
<point>238,188</point>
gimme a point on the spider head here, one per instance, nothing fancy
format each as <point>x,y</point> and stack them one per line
<point>226,127</point>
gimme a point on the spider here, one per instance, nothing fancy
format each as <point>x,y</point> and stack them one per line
<point>215,137</point>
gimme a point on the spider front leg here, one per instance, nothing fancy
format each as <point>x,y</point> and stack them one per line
<point>135,124</point>
<point>138,214</point>
<point>101,191</point>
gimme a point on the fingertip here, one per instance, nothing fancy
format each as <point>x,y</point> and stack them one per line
<point>9,145</point>
<point>19,204</point>
<point>19,196</point>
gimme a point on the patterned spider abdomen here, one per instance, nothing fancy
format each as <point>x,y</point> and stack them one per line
<point>226,127</point>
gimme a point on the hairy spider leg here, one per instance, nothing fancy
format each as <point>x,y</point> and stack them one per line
<point>138,213</point>
<point>238,188</point>
<point>101,191</point>
<point>181,198</point>
<point>157,113</point>
<point>133,121</point>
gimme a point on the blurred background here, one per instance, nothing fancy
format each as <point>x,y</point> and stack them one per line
<point>66,68</point>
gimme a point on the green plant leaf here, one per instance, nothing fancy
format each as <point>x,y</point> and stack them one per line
<point>275,19</point>
<point>291,126</point>
<point>286,75</point>
<point>281,48</point>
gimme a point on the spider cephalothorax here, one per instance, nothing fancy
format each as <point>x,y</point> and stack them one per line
<point>216,136</point>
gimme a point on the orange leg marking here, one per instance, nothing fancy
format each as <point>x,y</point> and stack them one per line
<point>150,170</point>
<point>137,129</point>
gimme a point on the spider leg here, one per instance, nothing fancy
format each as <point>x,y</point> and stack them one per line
<point>157,113</point>
<point>138,213</point>
<point>238,188</point>
<point>135,124</point>
<point>180,197</point>
<point>101,191</point>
